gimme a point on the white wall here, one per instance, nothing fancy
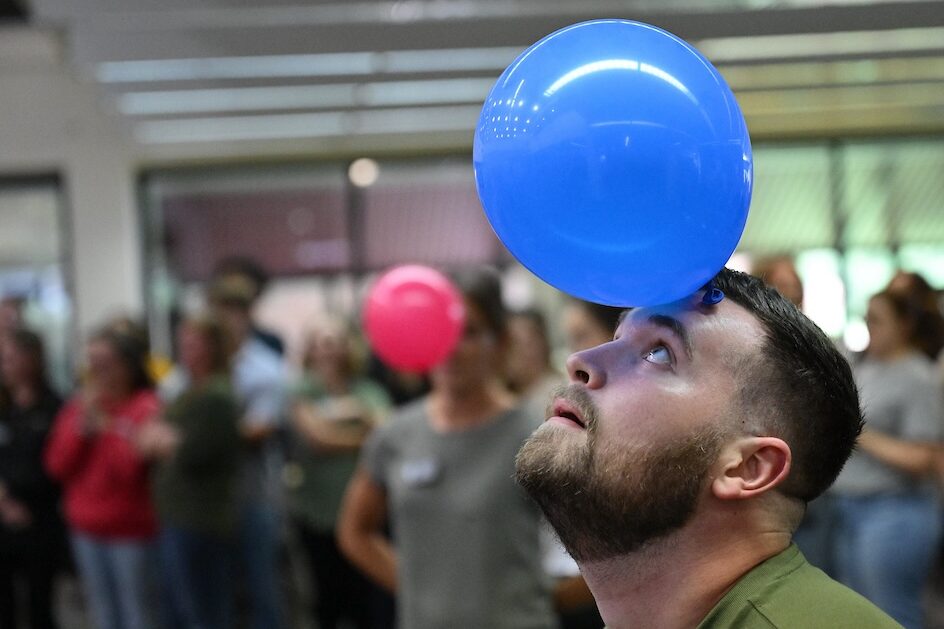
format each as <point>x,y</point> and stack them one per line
<point>49,122</point>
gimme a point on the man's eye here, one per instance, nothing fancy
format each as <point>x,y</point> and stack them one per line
<point>660,355</point>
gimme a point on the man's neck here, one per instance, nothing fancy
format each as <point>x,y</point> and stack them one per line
<point>674,582</point>
<point>239,336</point>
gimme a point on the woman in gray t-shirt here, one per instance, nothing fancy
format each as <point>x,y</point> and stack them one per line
<point>889,517</point>
<point>466,538</point>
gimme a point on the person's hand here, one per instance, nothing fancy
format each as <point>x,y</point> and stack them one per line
<point>868,440</point>
<point>94,419</point>
<point>167,440</point>
<point>157,440</point>
<point>349,407</point>
<point>14,513</point>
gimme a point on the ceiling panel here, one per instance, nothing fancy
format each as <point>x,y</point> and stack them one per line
<point>790,208</point>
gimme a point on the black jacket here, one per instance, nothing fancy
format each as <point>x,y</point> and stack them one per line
<point>23,433</point>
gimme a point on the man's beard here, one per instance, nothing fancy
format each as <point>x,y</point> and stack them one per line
<point>604,500</point>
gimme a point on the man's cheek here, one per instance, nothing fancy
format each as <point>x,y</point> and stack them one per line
<point>635,424</point>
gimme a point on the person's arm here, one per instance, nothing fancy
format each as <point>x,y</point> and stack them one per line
<point>344,430</point>
<point>914,449</point>
<point>255,432</point>
<point>68,444</point>
<point>120,449</point>
<point>360,530</point>
<point>911,457</point>
<point>13,513</point>
<point>265,404</point>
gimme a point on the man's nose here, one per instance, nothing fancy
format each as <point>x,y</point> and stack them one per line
<point>587,367</point>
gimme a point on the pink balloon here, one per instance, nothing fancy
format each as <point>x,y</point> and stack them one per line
<point>413,317</point>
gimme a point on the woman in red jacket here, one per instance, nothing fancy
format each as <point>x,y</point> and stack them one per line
<point>106,492</point>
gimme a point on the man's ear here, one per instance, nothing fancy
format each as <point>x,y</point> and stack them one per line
<point>751,466</point>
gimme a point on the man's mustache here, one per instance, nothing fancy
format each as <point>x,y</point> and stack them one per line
<point>576,395</point>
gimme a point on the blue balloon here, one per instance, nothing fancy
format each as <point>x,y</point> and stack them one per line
<point>613,161</point>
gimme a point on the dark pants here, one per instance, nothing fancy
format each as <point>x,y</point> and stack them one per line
<point>31,572</point>
<point>341,592</point>
<point>195,579</point>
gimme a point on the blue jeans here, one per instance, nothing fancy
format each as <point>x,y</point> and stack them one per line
<point>259,539</point>
<point>196,584</point>
<point>117,576</point>
<point>885,546</point>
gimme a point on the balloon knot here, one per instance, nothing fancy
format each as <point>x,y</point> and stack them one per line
<point>712,295</point>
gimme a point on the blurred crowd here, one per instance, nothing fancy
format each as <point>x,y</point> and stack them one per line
<point>224,487</point>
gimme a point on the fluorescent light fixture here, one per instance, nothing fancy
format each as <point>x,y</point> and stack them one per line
<point>309,125</point>
<point>235,99</point>
<point>848,98</point>
<point>310,65</point>
<point>719,50</point>
<point>269,66</point>
<point>724,49</point>
<point>378,94</point>
<point>818,73</point>
<point>240,128</point>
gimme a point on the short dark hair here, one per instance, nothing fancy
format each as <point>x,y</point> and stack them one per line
<point>919,306</point>
<point>482,287</point>
<point>800,388</point>
<point>31,344</point>
<point>539,321</point>
<point>244,266</point>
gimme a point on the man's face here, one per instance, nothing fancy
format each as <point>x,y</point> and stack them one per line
<point>527,352</point>
<point>629,445</point>
<point>474,360</point>
<point>235,318</point>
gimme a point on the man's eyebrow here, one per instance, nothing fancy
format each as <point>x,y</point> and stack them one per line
<point>676,327</point>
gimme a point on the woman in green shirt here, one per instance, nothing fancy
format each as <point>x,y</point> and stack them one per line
<point>196,447</point>
<point>333,411</point>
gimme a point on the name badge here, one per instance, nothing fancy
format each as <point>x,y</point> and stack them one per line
<point>420,472</point>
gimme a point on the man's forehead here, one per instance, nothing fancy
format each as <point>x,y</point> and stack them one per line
<point>726,320</point>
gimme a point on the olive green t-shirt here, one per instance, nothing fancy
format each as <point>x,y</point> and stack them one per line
<point>786,592</point>
<point>196,489</point>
